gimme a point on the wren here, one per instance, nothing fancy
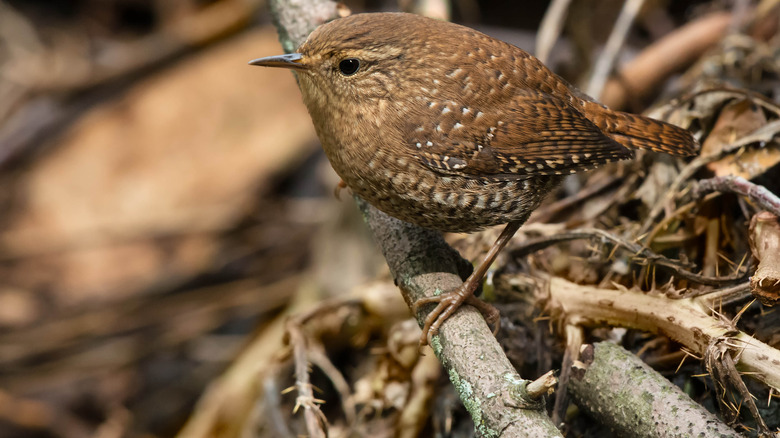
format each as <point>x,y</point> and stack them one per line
<point>442,126</point>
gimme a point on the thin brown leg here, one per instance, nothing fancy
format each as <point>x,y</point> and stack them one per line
<point>449,302</point>
<point>337,191</point>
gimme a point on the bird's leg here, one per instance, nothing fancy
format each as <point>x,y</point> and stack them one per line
<point>337,191</point>
<point>449,302</point>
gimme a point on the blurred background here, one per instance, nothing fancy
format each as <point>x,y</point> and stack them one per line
<point>162,202</point>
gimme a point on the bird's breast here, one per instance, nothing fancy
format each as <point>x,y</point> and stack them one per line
<point>398,184</point>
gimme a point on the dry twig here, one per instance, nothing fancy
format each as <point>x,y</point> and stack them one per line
<point>765,199</point>
<point>615,42</point>
<point>687,321</point>
<point>720,364</point>
<point>665,56</point>
<point>765,245</point>
<point>640,254</point>
<point>316,423</point>
<point>550,29</point>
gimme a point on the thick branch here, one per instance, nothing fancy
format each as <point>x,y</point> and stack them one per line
<point>495,395</point>
<point>687,321</point>
<point>623,392</point>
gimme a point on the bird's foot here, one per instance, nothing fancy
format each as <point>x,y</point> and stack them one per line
<point>447,304</point>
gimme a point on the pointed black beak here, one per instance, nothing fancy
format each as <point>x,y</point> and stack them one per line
<point>291,60</point>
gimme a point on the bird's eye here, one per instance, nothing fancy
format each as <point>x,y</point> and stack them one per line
<point>349,66</point>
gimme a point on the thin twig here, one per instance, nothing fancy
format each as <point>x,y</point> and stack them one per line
<point>575,336</point>
<point>550,29</point>
<point>730,93</point>
<point>318,358</point>
<point>316,423</point>
<point>726,295</point>
<point>720,364</point>
<point>759,195</point>
<point>638,251</point>
<point>616,39</point>
<point>660,226</point>
<point>274,418</point>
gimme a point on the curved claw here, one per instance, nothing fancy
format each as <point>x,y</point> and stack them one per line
<point>449,303</point>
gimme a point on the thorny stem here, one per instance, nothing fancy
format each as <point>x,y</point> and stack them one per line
<point>687,321</point>
<point>720,365</point>
<point>316,423</point>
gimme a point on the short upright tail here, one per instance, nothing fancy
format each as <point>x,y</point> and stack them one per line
<point>639,132</point>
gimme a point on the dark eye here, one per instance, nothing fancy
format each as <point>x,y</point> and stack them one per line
<point>349,66</point>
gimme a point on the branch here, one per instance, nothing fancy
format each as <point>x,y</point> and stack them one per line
<point>757,194</point>
<point>765,245</point>
<point>494,394</point>
<point>622,392</point>
<point>687,321</point>
<point>657,62</point>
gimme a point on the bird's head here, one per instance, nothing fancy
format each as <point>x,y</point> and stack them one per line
<point>362,57</point>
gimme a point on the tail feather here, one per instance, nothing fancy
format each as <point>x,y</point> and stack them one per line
<point>639,132</point>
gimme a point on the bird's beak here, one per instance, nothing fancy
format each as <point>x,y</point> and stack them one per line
<point>290,60</point>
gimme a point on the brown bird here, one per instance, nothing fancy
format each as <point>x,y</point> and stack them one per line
<point>442,126</point>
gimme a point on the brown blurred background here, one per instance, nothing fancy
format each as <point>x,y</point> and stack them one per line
<point>161,201</point>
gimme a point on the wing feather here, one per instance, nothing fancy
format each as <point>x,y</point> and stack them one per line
<point>539,134</point>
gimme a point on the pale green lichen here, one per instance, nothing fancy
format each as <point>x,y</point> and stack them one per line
<point>472,403</point>
<point>515,389</point>
<point>514,379</point>
<point>437,348</point>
